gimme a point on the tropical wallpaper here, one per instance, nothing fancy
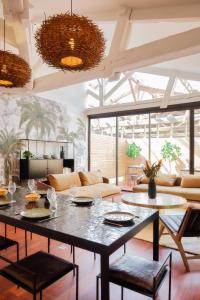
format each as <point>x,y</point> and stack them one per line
<point>34,117</point>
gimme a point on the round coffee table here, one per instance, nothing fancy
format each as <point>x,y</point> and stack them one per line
<point>162,201</point>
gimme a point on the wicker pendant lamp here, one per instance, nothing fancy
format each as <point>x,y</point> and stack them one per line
<point>14,70</point>
<point>71,42</point>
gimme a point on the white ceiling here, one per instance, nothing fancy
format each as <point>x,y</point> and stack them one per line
<point>140,33</point>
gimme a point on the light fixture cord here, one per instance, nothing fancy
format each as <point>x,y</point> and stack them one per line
<point>4,34</point>
<point>71,7</point>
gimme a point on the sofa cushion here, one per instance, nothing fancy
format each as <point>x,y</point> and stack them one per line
<point>187,193</point>
<point>166,180</point>
<point>190,181</point>
<point>105,189</point>
<point>62,182</point>
<point>144,179</point>
<point>90,178</point>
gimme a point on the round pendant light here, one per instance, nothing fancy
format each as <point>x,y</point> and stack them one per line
<point>14,70</point>
<point>71,42</point>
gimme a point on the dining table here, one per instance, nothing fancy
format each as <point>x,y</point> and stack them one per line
<point>84,226</point>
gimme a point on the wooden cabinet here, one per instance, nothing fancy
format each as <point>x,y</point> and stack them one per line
<point>40,168</point>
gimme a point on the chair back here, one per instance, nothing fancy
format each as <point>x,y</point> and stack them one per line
<point>190,226</point>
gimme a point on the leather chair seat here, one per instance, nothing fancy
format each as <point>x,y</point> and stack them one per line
<point>45,268</point>
<point>6,243</point>
<point>137,271</point>
<point>173,222</point>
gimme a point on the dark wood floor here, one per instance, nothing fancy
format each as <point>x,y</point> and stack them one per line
<point>185,286</point>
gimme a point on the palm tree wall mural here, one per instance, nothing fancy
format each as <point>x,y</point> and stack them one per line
<point>35,116</point>
<point>9,145</point>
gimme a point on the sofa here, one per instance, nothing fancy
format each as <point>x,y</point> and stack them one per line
<point>85,184</point>
<point>188,186</point>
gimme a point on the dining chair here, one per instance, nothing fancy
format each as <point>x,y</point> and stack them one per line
<point>36,272</point>
<point>139,274</point>
<point>179,226</point>
<point>6,243</point>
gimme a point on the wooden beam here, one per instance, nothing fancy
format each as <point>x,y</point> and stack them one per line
<point>171,72</point>
<point>61,79</point>
<point>172,47</point>
<point>168,13</point>
<point>119,40</point>
<point>186,12</point>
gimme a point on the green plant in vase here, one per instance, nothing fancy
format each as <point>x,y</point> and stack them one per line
<point>133,151</point>
<point>27,154</point>
<point>170,152</point>
<point>9,145</point>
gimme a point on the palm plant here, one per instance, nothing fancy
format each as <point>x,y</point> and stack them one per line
<point>37,117</point>
<point>9,145</point>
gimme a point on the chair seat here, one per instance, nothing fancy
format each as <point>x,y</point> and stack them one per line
<point>173,222</point>
<point>45,267</point>
<point>6,243</point>
<point>136,271</point>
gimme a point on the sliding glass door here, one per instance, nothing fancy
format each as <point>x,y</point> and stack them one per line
<point>169,141</point>
<point>133,148</point>
<point>197,141</point>
<point>103,147</point>
<point>120,145</point>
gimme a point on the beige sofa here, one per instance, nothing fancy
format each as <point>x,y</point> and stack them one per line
<point>86,184</point>
<point>188,187</point>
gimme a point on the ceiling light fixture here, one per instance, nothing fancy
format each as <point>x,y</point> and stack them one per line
<point>71,42</point>
<point>14,70</point>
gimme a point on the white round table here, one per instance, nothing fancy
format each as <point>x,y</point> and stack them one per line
<point>162,201</point>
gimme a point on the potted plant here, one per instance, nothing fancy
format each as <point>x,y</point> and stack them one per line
<point>151,171</point>
<point>27,154</point>
<point>133,151</point>
<point>170,152</point>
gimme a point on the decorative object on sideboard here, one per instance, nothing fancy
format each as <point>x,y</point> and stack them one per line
<point>27,154</point>
<point>151,171</point>
<point>14,70</point>
<point>62,152</point>
<point>70,42</point>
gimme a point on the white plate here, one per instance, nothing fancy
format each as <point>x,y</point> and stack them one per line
<point>118,216</point>
<point>82,200</point>
<point>36,213</point>
<point>6,202</point>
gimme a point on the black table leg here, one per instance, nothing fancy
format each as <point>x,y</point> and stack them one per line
<point>155,238</point>
<point>105,294</point>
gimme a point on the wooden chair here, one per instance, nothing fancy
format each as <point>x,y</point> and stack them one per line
<point>139,274</point>
<point>178,226</point>
<point>36,272</point>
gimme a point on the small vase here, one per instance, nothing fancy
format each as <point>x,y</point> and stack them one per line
<point>152,189</point>
<point>62,153</point>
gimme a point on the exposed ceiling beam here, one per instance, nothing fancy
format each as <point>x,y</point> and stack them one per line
<point>181,12</point>
<point>10,36</point>
<point>190,12</point>
<point>61,79</point>
<point>121,32</point>
<point>171,73</point>
<point>172,47</point>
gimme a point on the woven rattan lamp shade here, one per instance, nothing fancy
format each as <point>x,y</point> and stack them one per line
<point>70,42</point>
<point>14,71</point>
